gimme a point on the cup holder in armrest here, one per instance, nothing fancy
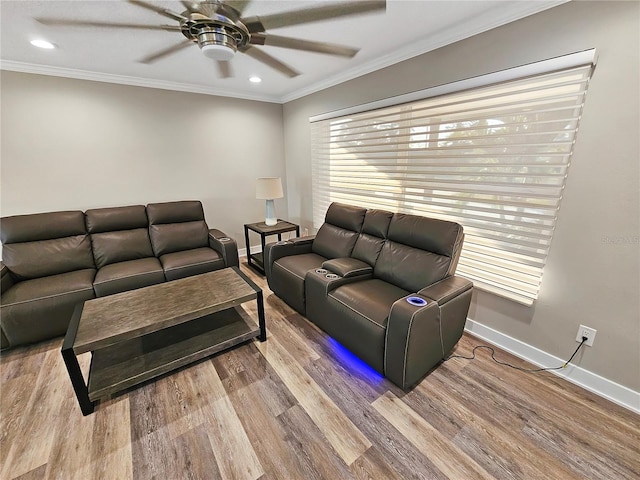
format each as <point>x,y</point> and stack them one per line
<point>321,271</point>
<point>224,239</point>
<point>417,301</point>
<point>283,242</point>
<point>331,276</point>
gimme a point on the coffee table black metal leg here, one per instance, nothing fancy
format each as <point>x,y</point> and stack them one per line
<point>77,380</point>
<point>246,242</point>
<point>73,367</point>
<point>261,322</point>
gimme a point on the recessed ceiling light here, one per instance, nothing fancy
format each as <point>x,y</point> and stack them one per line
<point>42,44</point>
<point>255,79</point>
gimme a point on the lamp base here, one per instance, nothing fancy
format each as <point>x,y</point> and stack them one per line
<point>270,216</point>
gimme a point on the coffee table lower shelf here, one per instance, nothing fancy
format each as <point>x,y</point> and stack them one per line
<point>128,363</point>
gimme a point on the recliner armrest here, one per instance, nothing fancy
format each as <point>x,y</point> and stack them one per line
<point>446,289</point>
<point>225,246</point>
<point>348,267</point>
<point>453,296</point>
<point>6,278</point>
<point>423,328</point>
<point>276,250</point>
<point>326,281</point>
<point>412,342</point>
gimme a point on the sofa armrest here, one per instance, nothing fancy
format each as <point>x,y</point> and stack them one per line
<point>6,280</point>
<point>225,246</point>
<point>276,250</point>
<point>453,296</point>
<point>348,267</point>
<point>412,342</point>
<point>6,283</point>
<point>446,289</point>
<point>322,281</point>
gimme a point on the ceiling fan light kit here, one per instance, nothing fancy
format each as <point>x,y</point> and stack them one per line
<point>42,44</point>
<point>220,30</point>
<point>218,52</point>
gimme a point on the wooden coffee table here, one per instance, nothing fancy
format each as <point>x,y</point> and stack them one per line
<point>137,335</point>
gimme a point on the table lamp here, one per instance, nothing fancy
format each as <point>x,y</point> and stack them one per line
<point>268,188</point>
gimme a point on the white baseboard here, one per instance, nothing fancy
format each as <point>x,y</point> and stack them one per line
<point>584,378</point>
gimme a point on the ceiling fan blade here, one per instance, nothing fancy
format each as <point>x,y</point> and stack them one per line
<point>306,45</point>
<point>83,23</point>
<point>191,7</point>
<point>238,5</point>
<point>272,62</point>
<point>167,51</point>
<point>313,14</point>
<point>224,68</point>
<point>162,11</point>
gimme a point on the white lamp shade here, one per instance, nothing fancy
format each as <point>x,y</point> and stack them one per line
<point>268,188</point>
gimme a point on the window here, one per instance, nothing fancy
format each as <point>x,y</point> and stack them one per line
<point>491,153</point>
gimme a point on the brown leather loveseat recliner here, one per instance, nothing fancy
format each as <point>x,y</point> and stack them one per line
<point>52,261</point>
<point>383,284</point>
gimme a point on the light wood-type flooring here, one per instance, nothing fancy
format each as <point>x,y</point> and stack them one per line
<point>300,407</point>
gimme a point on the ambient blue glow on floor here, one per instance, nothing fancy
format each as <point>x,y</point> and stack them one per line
<point>352,363</point>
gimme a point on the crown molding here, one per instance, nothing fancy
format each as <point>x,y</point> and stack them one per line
<point>126,80</point>
<point>481,23</point>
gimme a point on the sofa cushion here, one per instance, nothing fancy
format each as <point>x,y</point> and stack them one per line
<point>334,242</point>
<point>175,212</point>
<point>367,248</point>
<point>376,223</point>
<point>337,236</point>
<point>48,302</point>
<point>191,262</point>
<point>120,246</point>
<point>374,232</point>
<point>287,277</point>
<point>345,216</point>
<point>41,226</point>
<point>372,299</point>
<point>410,268</point>
<point>43,258</point>
<point>116,218</point>
<point>437,236</point>
<point>174,237</point>
<point>356,315</point>
<point>123,276</point>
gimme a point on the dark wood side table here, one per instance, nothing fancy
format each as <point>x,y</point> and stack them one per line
<point>256,260</point>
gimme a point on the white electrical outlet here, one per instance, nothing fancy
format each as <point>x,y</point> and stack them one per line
<point>588,332</point>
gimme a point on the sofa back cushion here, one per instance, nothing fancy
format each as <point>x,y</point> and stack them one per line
<point>118,234</point>
<point>339,232</point>
<point>177,226</point>
<point>374,232</point>
<point>418,251</point>
<point>44,244</point>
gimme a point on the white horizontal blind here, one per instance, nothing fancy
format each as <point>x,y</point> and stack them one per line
<point>493,158</point>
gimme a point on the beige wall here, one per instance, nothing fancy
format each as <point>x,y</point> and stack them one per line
<point>592,273</point>
<point>74,144</point>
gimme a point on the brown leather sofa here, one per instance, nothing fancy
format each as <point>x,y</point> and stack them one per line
<point>52,261</point>
<point>383,284</point>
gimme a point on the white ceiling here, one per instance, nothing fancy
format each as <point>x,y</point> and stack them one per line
<point>406,29</point>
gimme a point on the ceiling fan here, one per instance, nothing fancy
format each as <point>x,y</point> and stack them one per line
<point>220,30</point>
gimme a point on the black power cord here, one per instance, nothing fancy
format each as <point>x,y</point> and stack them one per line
<point>529,370</point>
